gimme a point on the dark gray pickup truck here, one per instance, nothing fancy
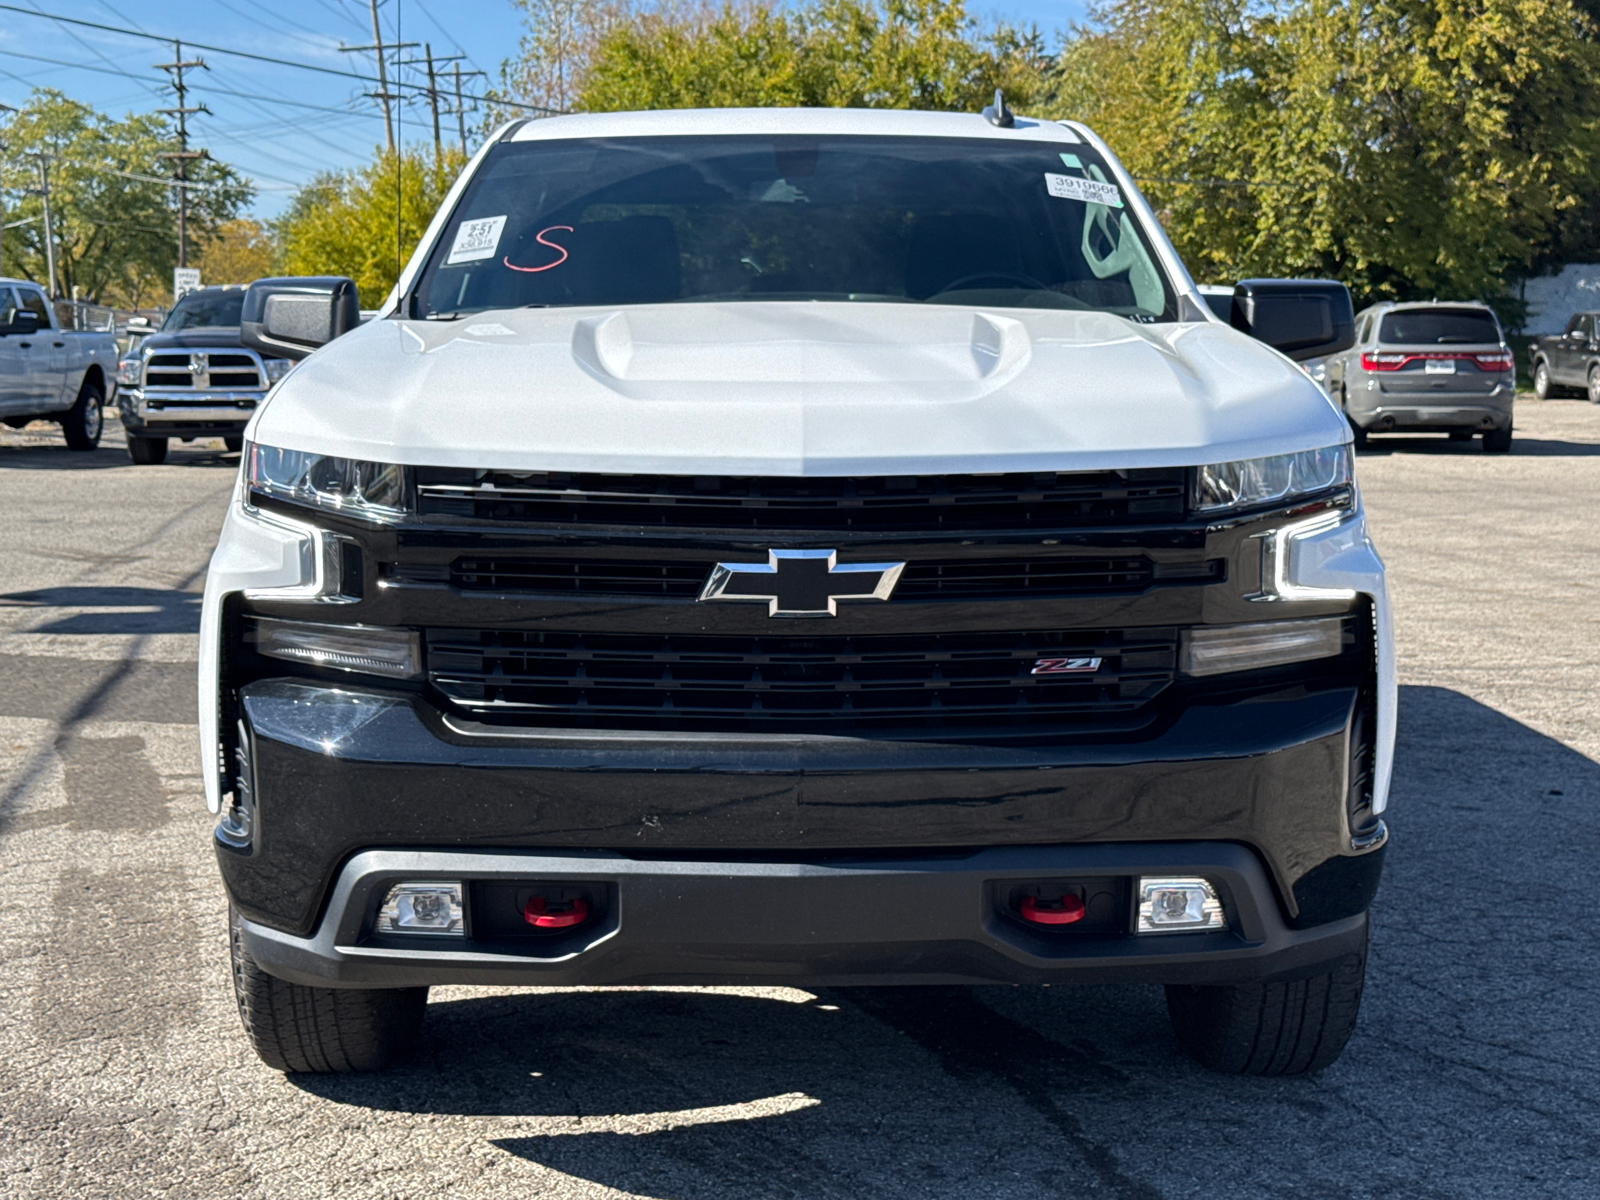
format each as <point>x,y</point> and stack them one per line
<point>1570,359</point>
<point>193,378</point>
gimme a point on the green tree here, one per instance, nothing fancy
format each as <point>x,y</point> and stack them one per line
<point>116,235</point>
<point>1412,148</point>
<point>359,223</point>
<point>241,251</point>
<point>607,55</point>
<point>553,59</point>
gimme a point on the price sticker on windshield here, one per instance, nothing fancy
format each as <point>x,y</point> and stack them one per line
<point>476,240</point>
<point>1090,191</point>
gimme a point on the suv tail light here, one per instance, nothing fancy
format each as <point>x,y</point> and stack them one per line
<point>1499,360</point>
<point>1384,362</point>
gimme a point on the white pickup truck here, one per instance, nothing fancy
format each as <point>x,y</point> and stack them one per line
<point>63,375</point>
<point>802,547</point>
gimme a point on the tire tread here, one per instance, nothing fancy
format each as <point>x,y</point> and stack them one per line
<point>295,1028</point>
<point>1286,1027</point>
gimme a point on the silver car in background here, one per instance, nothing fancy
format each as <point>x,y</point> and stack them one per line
<point>1427,367</point>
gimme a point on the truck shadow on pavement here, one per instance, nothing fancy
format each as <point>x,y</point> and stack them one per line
<point>1470,1074</point>
<point>142,609</point>
<point>57,457</point>
<point>1521,446</point>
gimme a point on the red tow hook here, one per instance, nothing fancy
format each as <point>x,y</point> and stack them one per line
<point>560,914</point>
<point>1052,912</point>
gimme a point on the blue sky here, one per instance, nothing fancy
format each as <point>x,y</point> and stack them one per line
<point>277,124</point>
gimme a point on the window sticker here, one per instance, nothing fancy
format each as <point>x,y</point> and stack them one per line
<point>1070,187</point>
<point>540,238</point>
<point>1071,160</point>
<point>476,240</point>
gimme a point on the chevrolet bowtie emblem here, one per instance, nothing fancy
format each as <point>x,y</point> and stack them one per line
<point>802,583</point>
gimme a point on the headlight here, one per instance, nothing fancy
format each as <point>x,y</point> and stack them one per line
<point>367,490</point>
<point>128,372</point>
<point>1254,481</point>
<point>276,368</point>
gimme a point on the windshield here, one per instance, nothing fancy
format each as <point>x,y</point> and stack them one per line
<point>1439,326</point>
<point>917,220</point>
<point>204,310</point>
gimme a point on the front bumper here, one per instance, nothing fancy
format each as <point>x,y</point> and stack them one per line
<point>824,923</point>
<point>336,773</point>
<point>150,412</point>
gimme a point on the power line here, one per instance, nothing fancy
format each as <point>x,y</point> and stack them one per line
<point>81,66</point>
<point>265,58</point>
<point>221,91</point>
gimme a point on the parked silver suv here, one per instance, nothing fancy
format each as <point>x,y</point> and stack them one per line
<point>1429,367</point>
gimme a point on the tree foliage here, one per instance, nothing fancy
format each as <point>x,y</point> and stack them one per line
<point>241,251</point>
<point>553,59</point>
<point>1412,148</point>
<point>609,55</point>
<point>364,223</point>
<point>116,238</point>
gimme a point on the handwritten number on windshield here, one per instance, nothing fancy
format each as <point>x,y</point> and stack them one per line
<point>539,237</point>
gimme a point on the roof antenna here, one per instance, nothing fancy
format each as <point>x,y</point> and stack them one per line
<point>998,114</point>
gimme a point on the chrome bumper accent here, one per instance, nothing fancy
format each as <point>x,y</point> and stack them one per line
<point>152,405</point>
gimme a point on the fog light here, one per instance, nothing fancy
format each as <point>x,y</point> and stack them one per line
<point>370,649</point>
<point>1214,650</point>
<point>1179,905</point>
<point>429,906</point>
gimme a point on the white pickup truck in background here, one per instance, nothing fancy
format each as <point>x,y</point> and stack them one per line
<point>63,375</point>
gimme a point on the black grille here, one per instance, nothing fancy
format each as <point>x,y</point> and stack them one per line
<point>168,370</point>
<point>969,578</point>
<point>924,503</point>
<point>827,683</point>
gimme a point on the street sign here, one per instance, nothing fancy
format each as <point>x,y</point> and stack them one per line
<point>184,279</point>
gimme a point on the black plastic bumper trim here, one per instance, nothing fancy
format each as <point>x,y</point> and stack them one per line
<point>824,923</point>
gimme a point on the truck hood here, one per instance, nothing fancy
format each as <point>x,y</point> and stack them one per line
<point>794,388</point>
<point>194,339</point>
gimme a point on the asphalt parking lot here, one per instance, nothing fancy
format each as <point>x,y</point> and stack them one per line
<point>123,1071</point>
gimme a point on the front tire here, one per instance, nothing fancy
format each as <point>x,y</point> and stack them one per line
<point>1497,441</point>
<point>1594,385</point>
<point>147,451</point>
<point>1541,380</point>
<point>83,423</point>
<point>1286,1028</point>
<point>299,1028</point>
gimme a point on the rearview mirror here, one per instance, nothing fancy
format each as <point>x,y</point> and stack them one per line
<point>1304,318</point>
<point>23,323</point>
<point>291,317</point>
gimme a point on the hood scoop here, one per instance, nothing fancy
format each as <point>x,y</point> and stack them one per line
<point>753,344</point>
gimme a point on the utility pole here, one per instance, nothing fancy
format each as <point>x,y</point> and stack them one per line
<point>433,103</point>
<point>380,48</point>
<point>3,108</point>
<point>461,110</point>
<point>183,154</point>
<point>434,66</point>
<point>49,231</point>
<point>383,74</point>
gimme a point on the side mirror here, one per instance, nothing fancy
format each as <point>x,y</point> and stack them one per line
<point>1305,318</point>
<point>291,317</point>
<point>23,323</point>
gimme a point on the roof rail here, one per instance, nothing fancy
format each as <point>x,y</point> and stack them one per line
<point>998,114</point>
